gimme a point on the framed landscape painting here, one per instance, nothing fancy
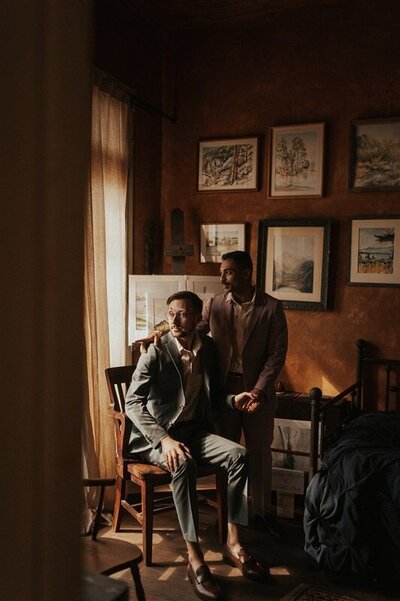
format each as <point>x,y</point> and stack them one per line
<point>228,164</point>
<point>219,238</point>
<point>293,261</point>
<point>374,155</point>
<point>297,160</point>
<point>375,251</point>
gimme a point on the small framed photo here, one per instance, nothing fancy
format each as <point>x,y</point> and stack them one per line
<point>228,164</point>
<point>219,238</point>
<point>374,155</point>
<point>375,251</point>
<point>293,261</point>
<point>297,160</point>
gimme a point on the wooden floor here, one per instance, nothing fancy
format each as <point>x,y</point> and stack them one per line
<point>167,580</point>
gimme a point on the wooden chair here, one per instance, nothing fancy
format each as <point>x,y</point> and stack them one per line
<point>146,476</point>
<point>106,555</point>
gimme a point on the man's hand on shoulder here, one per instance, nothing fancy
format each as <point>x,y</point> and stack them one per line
<point>144,343</point>
<point>172,450</point>
<point>247,402</point>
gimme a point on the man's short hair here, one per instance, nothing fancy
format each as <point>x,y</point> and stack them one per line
<point>196,301</point>
<point>241,258</point>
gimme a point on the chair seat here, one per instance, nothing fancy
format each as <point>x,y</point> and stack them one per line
<point>144,471</point>
<point>106,556</point>
<point>147,470</point>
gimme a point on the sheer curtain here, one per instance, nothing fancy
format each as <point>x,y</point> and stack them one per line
<point>105,274</point>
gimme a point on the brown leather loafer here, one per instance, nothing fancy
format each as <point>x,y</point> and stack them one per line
<point>203,583</point>
<point>249,567</point>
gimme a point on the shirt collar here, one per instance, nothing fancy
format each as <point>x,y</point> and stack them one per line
<point>229,298</point>
<point>196,346</point>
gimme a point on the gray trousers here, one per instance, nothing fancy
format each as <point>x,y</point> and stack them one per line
<point>204,448</point>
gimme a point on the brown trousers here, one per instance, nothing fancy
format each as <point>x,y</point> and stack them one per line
<point>257,430</point>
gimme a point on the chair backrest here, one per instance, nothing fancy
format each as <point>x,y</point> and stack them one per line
<point>118,380</point>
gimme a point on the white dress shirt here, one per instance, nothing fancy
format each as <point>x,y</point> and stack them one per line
<point>192,378</point>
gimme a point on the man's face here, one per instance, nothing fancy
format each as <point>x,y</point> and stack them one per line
<point>234,278</point>
<point>182,318</point>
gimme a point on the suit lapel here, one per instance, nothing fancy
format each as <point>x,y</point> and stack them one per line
<point>206,371</point>
<point>231,321</point>
<point>253,318</point>
<point>172,350</point>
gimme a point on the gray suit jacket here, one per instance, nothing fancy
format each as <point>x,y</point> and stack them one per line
<point>156,398</point>
<point>265,342</point>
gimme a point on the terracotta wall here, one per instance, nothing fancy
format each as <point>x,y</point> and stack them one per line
<point>333,64</point>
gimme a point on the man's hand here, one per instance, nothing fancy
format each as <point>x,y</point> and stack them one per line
<point>144,343</point>
<point>247,402</point>
<point>153,337</point>
<point>172,450</point>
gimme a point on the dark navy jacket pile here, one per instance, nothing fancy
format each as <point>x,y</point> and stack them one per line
<point>352,505</point>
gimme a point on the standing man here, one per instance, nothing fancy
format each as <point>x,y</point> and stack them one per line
<point>171,399</point>
<point>250,331</point>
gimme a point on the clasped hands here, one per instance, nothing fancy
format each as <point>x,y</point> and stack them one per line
<point>248,402</point>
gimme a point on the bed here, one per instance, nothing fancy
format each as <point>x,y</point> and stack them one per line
<point>352,502</point>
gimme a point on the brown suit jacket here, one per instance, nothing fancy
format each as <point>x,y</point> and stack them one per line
<point>265,341</point>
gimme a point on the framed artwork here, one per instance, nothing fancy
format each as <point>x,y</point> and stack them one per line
<point>228,164</point>
<point>374,155</point>
<point>219,238</point>
<point>205,286</point>
<point>297,160</point>
<point>147,295</point>
<point>375,251</point>
<point>293,261</point>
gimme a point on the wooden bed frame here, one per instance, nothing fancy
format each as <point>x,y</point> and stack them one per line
<point>320,440</point>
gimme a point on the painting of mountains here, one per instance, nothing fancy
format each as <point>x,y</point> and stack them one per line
<point>375,155</point>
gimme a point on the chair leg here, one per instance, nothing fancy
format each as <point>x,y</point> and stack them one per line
<point>222,504</point>
<point>147,494</point>
<point>138,583</point>
<point>119,496</point>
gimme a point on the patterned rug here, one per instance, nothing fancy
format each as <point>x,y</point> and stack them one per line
<point>308,592</point>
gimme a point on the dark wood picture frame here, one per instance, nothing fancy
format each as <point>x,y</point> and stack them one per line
<point>293,261</point>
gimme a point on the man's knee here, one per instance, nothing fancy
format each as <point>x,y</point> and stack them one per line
<point>187,468</point>
<point>238,455</point>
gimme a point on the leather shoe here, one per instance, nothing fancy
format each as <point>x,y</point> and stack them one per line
<point>249,566</point>
<point>269,524</point>
<point>203,583</point>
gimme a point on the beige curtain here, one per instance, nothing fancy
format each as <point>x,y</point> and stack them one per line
<point>105,274</point>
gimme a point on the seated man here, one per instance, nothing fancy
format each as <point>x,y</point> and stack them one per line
<point>170,401</point>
